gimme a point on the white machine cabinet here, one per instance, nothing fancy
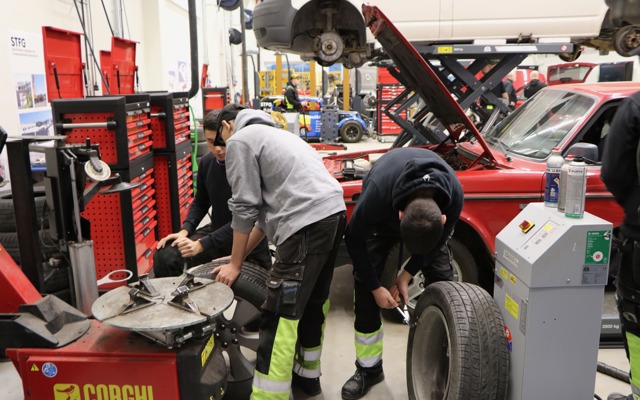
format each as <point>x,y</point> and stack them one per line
<point>549,285</point>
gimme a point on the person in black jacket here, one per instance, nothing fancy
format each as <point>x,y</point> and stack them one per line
<point>620,175</point>
<point>215,239</point>
<point>534,85</point>
<point>291,98</point>
<point>511,90</point>
<point>410,196</point>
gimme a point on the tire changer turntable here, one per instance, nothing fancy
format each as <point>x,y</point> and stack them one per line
<point>153,339</point>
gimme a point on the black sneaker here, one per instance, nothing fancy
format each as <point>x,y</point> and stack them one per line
<point>309,386</point>
<point>619,396</point>
<point>362,381</point>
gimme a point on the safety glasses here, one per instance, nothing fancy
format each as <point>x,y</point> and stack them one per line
<point>219,141</point>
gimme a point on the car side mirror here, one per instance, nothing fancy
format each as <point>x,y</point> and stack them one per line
<point>588,151</point>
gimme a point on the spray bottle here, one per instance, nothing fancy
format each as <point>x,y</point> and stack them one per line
<point>552,178</point>
<point>576,188</point>
<point>562,194</point>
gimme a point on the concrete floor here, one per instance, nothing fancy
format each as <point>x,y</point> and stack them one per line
<point>339,353</point>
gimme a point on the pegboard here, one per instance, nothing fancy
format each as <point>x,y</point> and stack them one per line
<point>174,185</point>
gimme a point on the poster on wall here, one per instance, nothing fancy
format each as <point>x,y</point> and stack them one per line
<point>29,87</point>
<point>28,76</point>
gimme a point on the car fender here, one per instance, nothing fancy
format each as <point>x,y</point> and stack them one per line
<point>351,118</point>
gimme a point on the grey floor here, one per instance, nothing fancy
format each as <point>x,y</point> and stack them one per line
<point>339,353</point>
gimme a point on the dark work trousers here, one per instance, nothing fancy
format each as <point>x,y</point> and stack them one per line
<point>167,261</point>
<point>367,312</point>
<point>298,288</point>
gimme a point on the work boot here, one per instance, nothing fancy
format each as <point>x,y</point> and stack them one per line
<point>309,386</point>
<point>619,396</point>
<point>362,381</point>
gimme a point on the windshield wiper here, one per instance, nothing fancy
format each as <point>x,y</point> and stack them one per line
<point>503,147</point>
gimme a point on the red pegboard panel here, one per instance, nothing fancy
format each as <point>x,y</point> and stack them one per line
<point>104,213</point>
<point>105,67</point>
<point>163,195</point>
<point>123,61</point>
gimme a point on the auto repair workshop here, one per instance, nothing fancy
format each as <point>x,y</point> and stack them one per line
<point>320,199</point>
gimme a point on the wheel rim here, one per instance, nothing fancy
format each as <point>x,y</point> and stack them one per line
<point>352,132</point>
<point>431,368</point>
<point>628,40</point>
<point>239,343</point>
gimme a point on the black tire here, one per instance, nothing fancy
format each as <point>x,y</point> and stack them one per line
<point>250,290</point>
<point>351,131</point>
<point>457,346</point>
<point>9,241</point>
<point>7,215</point>
<point>202,149</point>
<point>626,40</point>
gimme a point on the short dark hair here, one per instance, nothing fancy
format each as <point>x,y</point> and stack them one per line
<point>210,122</point>
<point>421,225</point>
<point>229,113</point>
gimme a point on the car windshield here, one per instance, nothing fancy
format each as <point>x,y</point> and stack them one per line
<point>540,124</point>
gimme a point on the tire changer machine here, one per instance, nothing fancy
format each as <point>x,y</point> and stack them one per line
<point>550,275</point>
<point>153,339</point>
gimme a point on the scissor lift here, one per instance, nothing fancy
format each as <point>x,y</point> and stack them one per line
<point>457,66</point>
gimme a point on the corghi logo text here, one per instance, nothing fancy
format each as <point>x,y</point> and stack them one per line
<point>71,391</point>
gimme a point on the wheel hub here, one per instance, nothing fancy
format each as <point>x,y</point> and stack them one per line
<point>330,46</point>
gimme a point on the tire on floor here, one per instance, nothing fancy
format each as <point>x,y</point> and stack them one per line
<point>457,346</point>
<point>241,324</point>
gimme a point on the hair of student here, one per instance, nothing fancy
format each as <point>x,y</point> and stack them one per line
<point>421,225</point>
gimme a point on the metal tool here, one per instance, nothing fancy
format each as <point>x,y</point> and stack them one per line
<point>107,278</point>
<point>404,311</point>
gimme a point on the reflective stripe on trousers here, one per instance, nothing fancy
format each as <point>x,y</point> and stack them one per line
<point>307,362</point>
<point>369,348</point>
<point>276,385</point>
<point>634,350</point>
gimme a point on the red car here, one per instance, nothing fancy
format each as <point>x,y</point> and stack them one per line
<point>503,170</point>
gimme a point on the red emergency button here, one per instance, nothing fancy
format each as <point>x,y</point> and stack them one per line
<point>526,226</point>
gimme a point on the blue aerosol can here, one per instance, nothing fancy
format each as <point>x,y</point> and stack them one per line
<point>576,188</point>
<point>552,178</point>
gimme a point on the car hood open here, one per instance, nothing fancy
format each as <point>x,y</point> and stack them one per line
<point>423,80</point>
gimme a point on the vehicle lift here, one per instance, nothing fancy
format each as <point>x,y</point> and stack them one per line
<point>448,61</point>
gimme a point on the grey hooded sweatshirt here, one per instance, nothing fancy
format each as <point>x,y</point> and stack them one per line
<point>277,179</point>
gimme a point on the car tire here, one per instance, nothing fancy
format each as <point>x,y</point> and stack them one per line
<point>457,347</point>
<point>7,214</point>
<point>351,131</point>
<point>9,241</point>
<point>241,327</point>
<point>626,39</point>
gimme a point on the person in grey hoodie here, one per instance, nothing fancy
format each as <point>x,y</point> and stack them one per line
<point>411,196</point>
<point>281,189</point>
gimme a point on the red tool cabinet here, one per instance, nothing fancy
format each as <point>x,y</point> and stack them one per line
<point>385,94</point>
<point>174,185</point>
<point>123,224</point>
<point>169,120</point>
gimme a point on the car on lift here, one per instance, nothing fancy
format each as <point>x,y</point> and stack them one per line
<point>331,31</point>
<point>502,170</point>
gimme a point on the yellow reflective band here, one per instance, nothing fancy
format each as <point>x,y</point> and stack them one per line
<point>634,362</point>
<point>267,389</point>
<point>283,351</point>
<point>369,347</point>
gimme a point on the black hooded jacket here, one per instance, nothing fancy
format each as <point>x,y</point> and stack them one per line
<point>533,87</point>
<point>395,177</point>
<point>619,172</point>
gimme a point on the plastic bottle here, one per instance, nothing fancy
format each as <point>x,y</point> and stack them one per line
<point>576,188</point>
<point>562,193</point>
<point>552,176</point>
